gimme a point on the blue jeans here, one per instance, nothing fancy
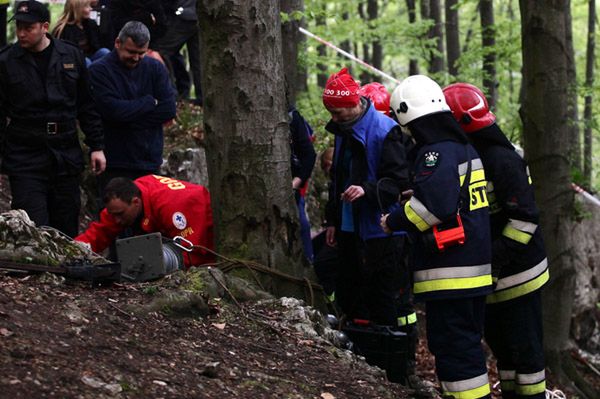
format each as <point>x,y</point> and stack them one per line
<point>96,56</point>
<point>304,228</point>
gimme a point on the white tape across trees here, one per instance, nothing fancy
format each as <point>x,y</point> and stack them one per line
<point>589,197</point>
<point>347,55</point>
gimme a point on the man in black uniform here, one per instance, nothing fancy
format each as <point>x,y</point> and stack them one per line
<point>44,91</point>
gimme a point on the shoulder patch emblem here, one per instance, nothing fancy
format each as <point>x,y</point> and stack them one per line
<point>431,158</point>
<point>179,220</point>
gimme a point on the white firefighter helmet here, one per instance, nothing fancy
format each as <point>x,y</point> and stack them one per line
<point>416,96</point>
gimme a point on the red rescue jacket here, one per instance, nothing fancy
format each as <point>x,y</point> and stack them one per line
<point>172,208</point>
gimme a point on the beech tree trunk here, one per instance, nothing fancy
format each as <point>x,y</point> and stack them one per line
<point>413,64</point>
<point>575,149</point>
<point>377,49</point>
<point>437,57</point>
<point>488,42</point>
<point>248,135</point>
<point>545,114</point>
<point>291,40</point>
<point>588,115</point>
<point>322,51</point>
<point>452,37</point>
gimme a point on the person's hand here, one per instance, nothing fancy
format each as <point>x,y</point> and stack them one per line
<point>383,224</point>
<point>296,181</point>
<point>353,193</point>
<point>98,162</point>
<point>330,236</point>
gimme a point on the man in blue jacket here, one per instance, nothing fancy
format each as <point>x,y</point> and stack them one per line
<point>368,174</point>
<point>134,97</point>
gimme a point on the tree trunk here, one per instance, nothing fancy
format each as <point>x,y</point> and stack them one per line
<point>545,116</point>
<point>488,42</point>
<point>364,76</point>
<point>322,51</point>
<point>575,149</point>
<point>248,135</point>
<point>589,84</point>
<point>413,64</point>
<point>437,32</point>
<point>377,50</point>
<point>452,38</point>
<point>469,33</point>
<point>291,39</point>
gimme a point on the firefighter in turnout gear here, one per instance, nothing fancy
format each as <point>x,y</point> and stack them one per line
<point>513,326</point>
<point>448,218</point>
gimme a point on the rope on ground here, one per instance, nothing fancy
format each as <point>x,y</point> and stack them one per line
<point>225,288</point>
<point>231,263</point>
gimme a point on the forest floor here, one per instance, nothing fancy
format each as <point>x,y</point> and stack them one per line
<point>65,339</point>
<point>68,340</point>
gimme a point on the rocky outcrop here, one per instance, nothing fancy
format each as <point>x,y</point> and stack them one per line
<point>21,241</point>
<point>585,326</point>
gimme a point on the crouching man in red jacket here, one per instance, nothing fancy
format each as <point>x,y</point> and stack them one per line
<point>152,204</point>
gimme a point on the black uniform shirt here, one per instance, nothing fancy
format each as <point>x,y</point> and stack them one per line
<point>31,102</point>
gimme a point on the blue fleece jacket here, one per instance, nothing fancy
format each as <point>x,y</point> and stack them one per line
<point>134,104</point>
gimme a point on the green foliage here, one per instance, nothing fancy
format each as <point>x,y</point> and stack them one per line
<point>339,22</point>
<point>151,290</point>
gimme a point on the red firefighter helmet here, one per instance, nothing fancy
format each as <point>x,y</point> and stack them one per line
<point>469,106</point>
<point>378,94</point>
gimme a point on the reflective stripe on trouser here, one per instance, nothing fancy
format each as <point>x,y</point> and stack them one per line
<point>454,331</point>
<point>522,385</point>
<point>477,387</point>
<point>452,278</point>
<point>408,319</point>
<point>513,330</point>
<point>520,284</point>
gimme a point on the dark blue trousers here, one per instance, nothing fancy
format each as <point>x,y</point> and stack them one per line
<point>454,333</point>
<point>513,330</point>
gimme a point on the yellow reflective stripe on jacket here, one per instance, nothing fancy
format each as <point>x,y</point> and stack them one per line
<point>520,290</point>
<point>452,272</point>
<point>519,230</point>
<point>516,235</point>
<point>4,1</point>
<point>452,284</point>
<point>477,184</point>
<point>522,277</point>
<point>408,319</point>
<point>419,215</point>
<point>476,176</point>
<point>452,278</point>
<point>529,390</point>
<point>472,388</point>
<point>476,164</point>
